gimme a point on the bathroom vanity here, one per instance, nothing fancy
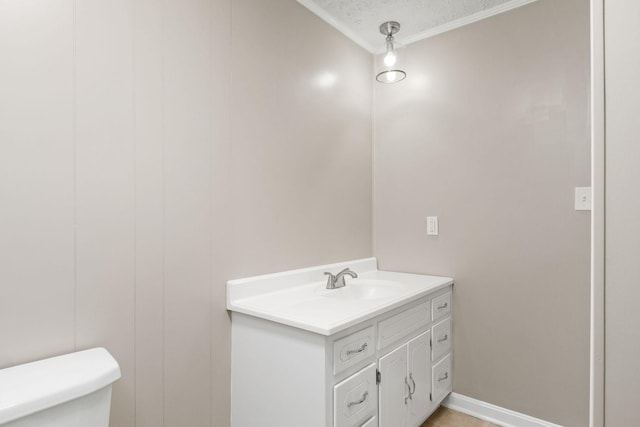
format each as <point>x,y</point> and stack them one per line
<point>376,352</point>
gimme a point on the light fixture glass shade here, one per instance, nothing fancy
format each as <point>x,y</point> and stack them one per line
<point>389,67</point>
<point>388,64</point>
<point>391,76</point>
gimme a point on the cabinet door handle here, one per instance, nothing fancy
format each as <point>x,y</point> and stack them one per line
<point>406,398</point>
<point>443,306</point>
<point>362,348</point>
<point>411,393</point>
<point>446,377</point>
<point>444,338</point>
<point>358,402</point>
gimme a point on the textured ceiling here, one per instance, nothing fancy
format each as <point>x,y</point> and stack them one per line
<point>360,19</point>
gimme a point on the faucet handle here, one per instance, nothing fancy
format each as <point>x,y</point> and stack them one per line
<point>331,280</point>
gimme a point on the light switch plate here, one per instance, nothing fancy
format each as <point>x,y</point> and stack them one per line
<point>432,225</point>
<point>583,198</point>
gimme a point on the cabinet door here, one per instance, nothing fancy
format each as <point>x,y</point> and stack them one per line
<point>393,391</point>
<point>419,375</point>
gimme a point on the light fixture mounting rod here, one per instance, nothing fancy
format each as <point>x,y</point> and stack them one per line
<point>389,28</point>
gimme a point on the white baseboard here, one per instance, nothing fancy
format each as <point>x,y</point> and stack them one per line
<point>492,413</point>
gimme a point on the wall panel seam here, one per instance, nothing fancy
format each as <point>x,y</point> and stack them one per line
<point>134,152</point>
<point>211,215</point>
<point>75,176</point>
<point>163,213</point>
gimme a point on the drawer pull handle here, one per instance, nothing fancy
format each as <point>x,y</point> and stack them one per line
<point>443,306</point>
<point>362,399</point>
<point>446,377</point>
<point>362,348</point>
<point>444,338</point>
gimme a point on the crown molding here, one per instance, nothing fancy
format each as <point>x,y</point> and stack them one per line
<point>505,7</point>
<point>325,16</point>
<point>341,27</point>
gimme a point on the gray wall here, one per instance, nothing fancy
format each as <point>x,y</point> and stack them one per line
<point>490,132</point>
<point>622,343</point>
<point>301,140</point>
<point>133,187</point>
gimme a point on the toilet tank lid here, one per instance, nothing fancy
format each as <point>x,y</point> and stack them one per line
<point>32,387</point>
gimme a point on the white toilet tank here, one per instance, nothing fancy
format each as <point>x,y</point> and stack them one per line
<point>73,390</point>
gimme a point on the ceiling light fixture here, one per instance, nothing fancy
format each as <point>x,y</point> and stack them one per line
<point>387,70</point>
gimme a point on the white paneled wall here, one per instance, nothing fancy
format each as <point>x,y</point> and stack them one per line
<point>188,77</point>
<point>37,259</point>
<point>105,188</point>
<point>116,227</point>
<point>149,194</point>
<point>107,137</point>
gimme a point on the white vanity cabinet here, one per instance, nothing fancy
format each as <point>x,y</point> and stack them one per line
<point>389,366</point>
<point>391,371</point>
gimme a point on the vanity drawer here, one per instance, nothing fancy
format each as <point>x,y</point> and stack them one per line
<point>441,339</point>
<point>355,399</point>
<point>394,328</point>
<point>441,306</point>
<point>352,349</point>
<point>441,377</point>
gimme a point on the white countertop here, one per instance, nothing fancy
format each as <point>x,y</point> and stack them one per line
<point>298,298</point>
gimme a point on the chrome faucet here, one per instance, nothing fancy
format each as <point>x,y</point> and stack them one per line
<point>337,281</point>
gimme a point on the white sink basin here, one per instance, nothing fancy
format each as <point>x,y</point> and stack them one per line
<point>299,298</point>
<point>366,289</point>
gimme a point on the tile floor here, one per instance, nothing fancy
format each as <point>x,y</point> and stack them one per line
<point>444,417</point>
